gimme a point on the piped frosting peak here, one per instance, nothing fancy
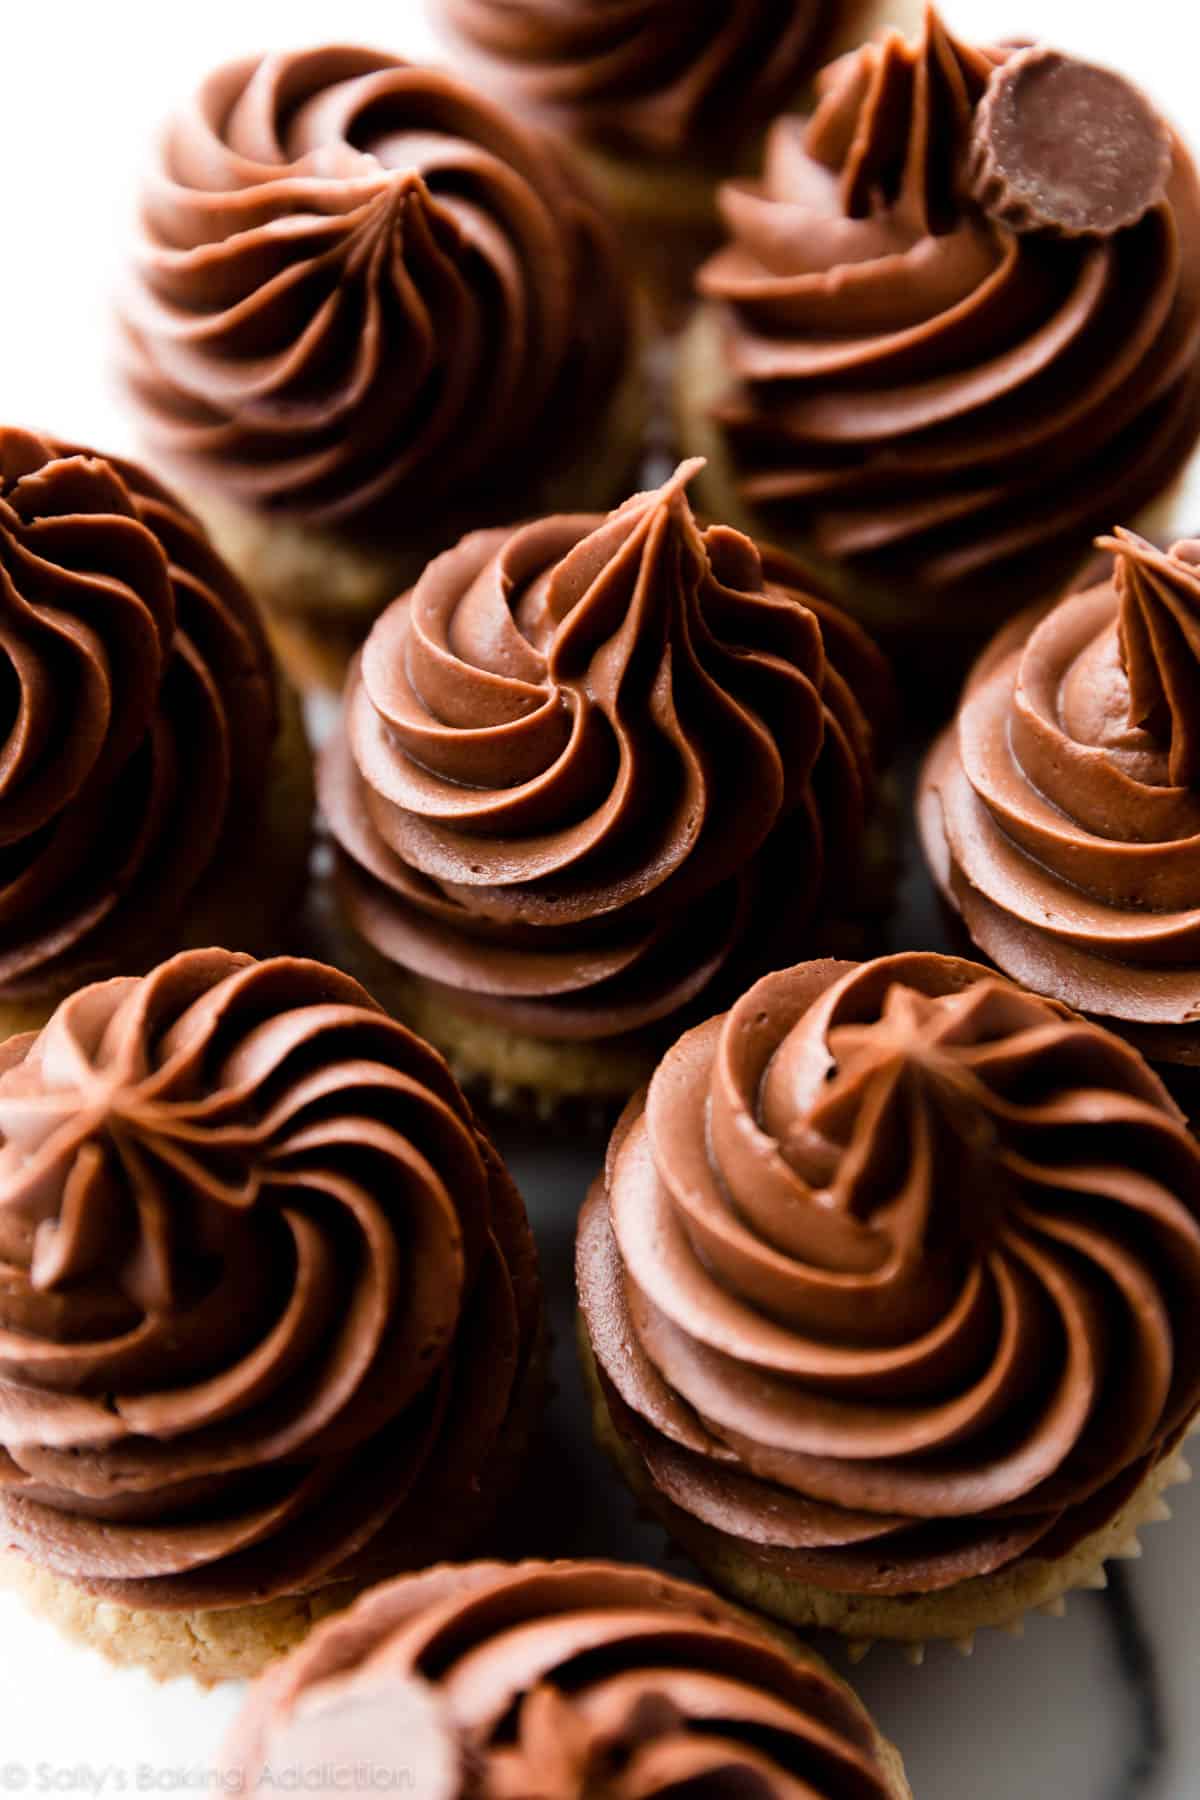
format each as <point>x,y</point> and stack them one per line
<point>909,1091</point>
<point>967,266</point>
<point>359,286</point>
<point>1158,593</point>
<point>251,1241</point>
<point>560,1680</point>
<point>1061,812</point>
<point>894,120</point>
<point>571,752</point>
<point>887,1275</point>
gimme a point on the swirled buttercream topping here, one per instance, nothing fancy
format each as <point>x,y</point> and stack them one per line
<point>910,356</point>
<point>360,286</point>
<point>564,1680</point>
<point>137,709</point>
<point>1158,625</point>
<point>1061,812</point>
<point>252,1248</point>
<point>891,1274</point>
<point>649,75</point>
<point>581,754</point>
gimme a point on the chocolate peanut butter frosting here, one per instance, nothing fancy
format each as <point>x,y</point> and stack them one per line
<point>560,1680</point>
<point>893,1273</point>
<point>650,75</point>
<point>138,710</point>
<point>254,1252</point>
<point>586,762</point>
<point>360,286</point>
<point>961,313</point>
<point>1061,812</point>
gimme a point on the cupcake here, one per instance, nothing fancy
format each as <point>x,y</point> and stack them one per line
<point>1060,813</point>
<point>257,1259</point>
<point>954,330</point>
<point>888,1296</point>
<point>662,99</point>
<point>155,788</point>
<point>557,1680</point>
<point>369,311</point>
<point>592,770</point>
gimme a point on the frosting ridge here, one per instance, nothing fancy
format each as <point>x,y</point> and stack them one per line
<point>571,751</point>
<point>139,708</point>
<point>251,1240</point>
<point>1158,626</point>
<point>567,1678</point>
<point>648,74</point>
<point>906,364</point>
<point>888,1275</point>
<point>359,286</point>
<point>1061,812</point>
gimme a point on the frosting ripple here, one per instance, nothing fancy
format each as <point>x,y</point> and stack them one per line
<point>137,710</point>
<point>1061,812</point>
<point>891,1273</point>
<point>253,1248</point>
<point>563,1679</point>
<point>912,359</point>
<point>359,286</point>
<point>585,759</point>
<point>650,75</point>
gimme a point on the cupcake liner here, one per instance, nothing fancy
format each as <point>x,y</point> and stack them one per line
<point>1040,1587</point>
<point>238,1642</point>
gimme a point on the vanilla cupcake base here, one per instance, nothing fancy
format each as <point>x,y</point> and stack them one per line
<point>893,1767</point>
<point>511,1071</point>
<point>999,1600</point>
<point>247,899</point>
<point>667,216</point>
<point>518,1072</point>
<point>244,902</point>
<point>227,1644</point>
<point>553,1079</point>
<point>237,1642</point>
<point>326,586</point>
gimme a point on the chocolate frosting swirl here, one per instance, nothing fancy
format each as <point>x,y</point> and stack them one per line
<point>360,286</point>
<point>560,1680</point>
<point>907,369</point>
<point>253,1249</point>
<point>137,710</point>
<point>650,75</point>
<point>575,754</point>
<point>892,1274</point>
<point>1061,812</point>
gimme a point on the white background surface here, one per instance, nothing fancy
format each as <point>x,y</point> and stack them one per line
<point>82,85</point>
